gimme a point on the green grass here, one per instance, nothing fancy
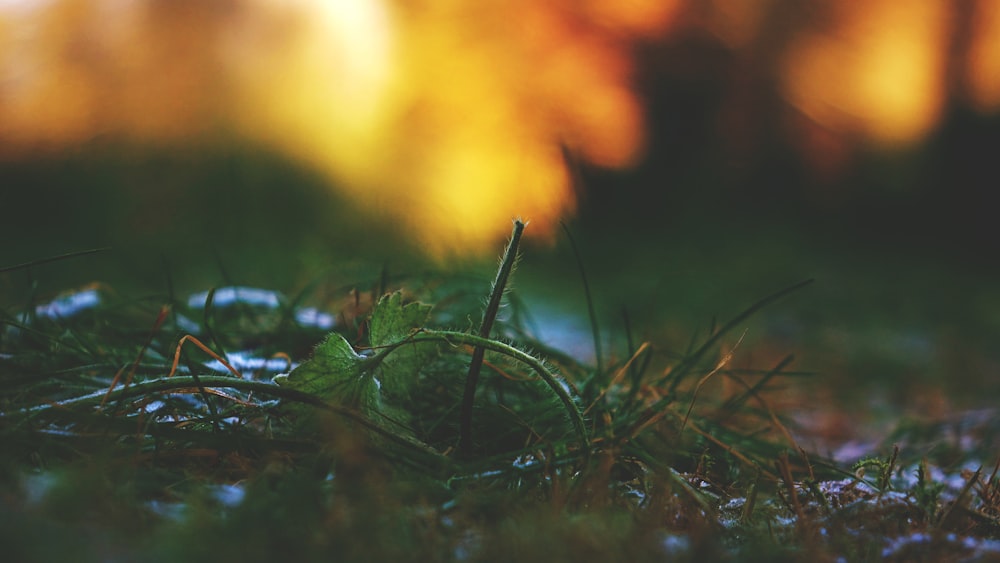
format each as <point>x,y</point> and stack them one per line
<point>672,449</point>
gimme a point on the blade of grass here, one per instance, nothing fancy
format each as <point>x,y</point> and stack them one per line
<point>733,404</point>
<point>619,375</point>
<point>598,355</point>
<point>142,351</point>
<point>718,367</point>
<point>53,259</point>
<point>689,362</point>
<point>207,321</point>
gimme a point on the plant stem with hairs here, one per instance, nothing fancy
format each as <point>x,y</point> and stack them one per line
<point>489,315</point>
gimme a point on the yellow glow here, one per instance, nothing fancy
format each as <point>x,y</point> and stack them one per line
<point>446,116</point>
<point>879,72</point>
<point>314,83</point>
<point>74,70</point>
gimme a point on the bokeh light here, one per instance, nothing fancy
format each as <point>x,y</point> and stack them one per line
<point>449,118</point>
<point>983,70</point>
<point>876,70</point>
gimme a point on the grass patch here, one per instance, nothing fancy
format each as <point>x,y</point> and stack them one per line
<point>402,422</point>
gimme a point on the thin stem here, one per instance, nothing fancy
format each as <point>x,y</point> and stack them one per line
<point>492,308</point>
<point>53,259</point>
<point>594,327</point>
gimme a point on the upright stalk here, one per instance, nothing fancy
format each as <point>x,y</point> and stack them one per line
<point>490,315</point>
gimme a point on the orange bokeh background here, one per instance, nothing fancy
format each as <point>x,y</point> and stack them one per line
<point>452,117</point>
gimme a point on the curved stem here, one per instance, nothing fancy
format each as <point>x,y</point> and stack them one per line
<point>425,335</point>
<point>534,363</point>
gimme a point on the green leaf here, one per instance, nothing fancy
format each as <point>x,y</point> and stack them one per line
<point>392,324</point>
<point>379,385</point>
<point>336,373</point>
<point>392,321</point>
